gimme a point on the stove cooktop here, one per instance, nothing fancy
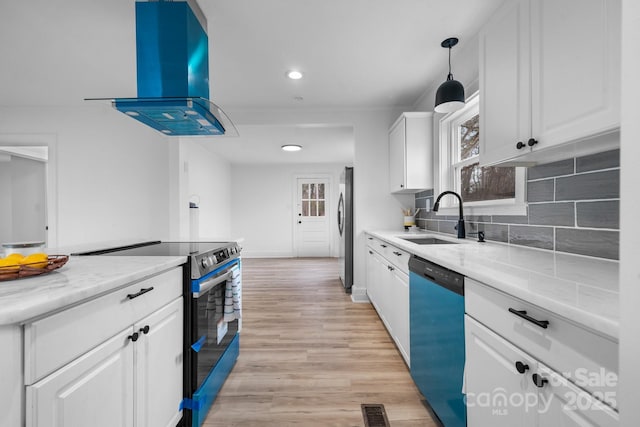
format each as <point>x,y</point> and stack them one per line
<point>204,257</point>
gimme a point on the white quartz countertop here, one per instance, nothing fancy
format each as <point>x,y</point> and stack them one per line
<point>80,279</point>
<point>582,289</point>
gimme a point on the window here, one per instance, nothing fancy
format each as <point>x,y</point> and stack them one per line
<point>484,189</point>
<point>313,200</point>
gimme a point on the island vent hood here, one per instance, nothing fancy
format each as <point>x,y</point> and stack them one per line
<point>172,52</point>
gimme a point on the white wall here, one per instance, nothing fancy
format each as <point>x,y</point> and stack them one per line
<point>263,210</point>
<point>629,208</point>
<point>207,182</point>
<point>111,173</point>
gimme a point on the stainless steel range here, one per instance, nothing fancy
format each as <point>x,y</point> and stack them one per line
<point>212,305</point>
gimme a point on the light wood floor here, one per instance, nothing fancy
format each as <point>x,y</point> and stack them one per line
<point>309,356</point>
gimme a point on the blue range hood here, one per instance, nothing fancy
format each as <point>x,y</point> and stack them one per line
<point>173,72</point>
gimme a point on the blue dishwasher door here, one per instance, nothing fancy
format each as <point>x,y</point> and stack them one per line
<point>437,348</point>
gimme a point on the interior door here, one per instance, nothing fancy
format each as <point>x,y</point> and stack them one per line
<point>312,220</point>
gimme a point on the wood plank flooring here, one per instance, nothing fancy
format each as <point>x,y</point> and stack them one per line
<point>309,356</point>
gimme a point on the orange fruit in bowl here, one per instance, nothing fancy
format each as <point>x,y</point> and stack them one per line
<point>37,260</point>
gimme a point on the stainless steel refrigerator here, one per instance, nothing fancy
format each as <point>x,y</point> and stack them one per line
<point>345,228</point>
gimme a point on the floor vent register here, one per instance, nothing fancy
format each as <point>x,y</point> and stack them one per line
<point>374,415</point>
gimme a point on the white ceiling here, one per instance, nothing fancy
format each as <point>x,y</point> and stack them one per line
<point>354,54</point>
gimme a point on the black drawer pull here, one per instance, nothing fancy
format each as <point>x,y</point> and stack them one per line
<point>384,246</point>
<point>145,330</point>
<point>521,367</point>
<point>397,253</point>
<point>142,292</point>
<point>371,252</point>
<point>523,313</point>
<point>370,238</point>
<point>390,268</point>
<point>134,337</point>
<point>539,380</point>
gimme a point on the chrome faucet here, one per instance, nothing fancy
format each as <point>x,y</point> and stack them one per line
<point>460,226</point>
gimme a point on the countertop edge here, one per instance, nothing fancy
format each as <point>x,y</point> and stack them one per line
<point>26,311</point>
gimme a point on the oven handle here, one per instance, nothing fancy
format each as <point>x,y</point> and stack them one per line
<point>206,286</point>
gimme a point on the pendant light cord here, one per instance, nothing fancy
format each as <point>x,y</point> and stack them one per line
<point>449,76</point>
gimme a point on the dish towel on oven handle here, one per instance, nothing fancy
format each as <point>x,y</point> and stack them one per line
<point>233,296</point>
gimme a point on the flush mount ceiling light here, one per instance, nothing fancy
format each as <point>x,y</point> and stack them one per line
<point>294,74</point>
<point>291,147</point>
<point>450,94</point>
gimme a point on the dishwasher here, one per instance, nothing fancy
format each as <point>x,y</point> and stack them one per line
<point>436,315</point>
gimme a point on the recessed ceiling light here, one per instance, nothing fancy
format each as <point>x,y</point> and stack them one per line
<point>294,74</point>
<point>291,147</point>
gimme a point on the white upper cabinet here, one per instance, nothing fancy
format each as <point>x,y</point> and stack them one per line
<point>411,153</point>
<point>549,80</point>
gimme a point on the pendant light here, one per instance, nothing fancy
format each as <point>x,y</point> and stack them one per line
<point>450,94</point>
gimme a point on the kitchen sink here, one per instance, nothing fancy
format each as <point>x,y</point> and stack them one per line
<point>428,241</point>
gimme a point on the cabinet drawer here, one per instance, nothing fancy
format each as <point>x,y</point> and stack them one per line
<point>392,255</point>
<point>397,257</point>
<point>58,339</point>
<point>584,357</point>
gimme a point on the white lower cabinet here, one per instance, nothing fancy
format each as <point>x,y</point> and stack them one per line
<point>158,367</point>
<point>388,290</point>
<point>94,390</point>
<point>131,379</point>
<point>509,384</point>
<point>493,382</point>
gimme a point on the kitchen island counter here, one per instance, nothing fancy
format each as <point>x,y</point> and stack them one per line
<point>79,280</point>
<point>581,289</point>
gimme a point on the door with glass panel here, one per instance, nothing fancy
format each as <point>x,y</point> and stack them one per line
<point>311,218</point>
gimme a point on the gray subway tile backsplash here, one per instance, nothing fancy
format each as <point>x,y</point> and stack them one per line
<point>600,214</point>
<point>510,219</point>
<point>496,232</point>
<point>537,237</point>
<point>606,160</point>
<point>589,186</point>
<point>540,191</point>
<point>552,214</point>
<point>573,207</point>
<point>598,243</point>
<point>563,167</point>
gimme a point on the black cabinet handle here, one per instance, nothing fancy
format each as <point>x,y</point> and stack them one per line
<point>532,142</point>
<point>401,185</point>
<point>145,330</point>
<point>521,367</point>
<point>384,246</point>
<point>539,380</point>
<point>134,337</point>
<point>142,292</point>
<point>397,253</point>
<point>370,238</point>
<point>520,145</point>
<point>371,252</point>
<point>523,313</point>
<point>390,268</point>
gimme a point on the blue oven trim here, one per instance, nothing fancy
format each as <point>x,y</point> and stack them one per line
<point>195,283</point>
<point>203,398</point>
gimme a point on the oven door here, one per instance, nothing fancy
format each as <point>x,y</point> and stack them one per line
<point>211,334</point>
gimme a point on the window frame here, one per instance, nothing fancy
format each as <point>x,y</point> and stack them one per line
<point>448,163</point>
